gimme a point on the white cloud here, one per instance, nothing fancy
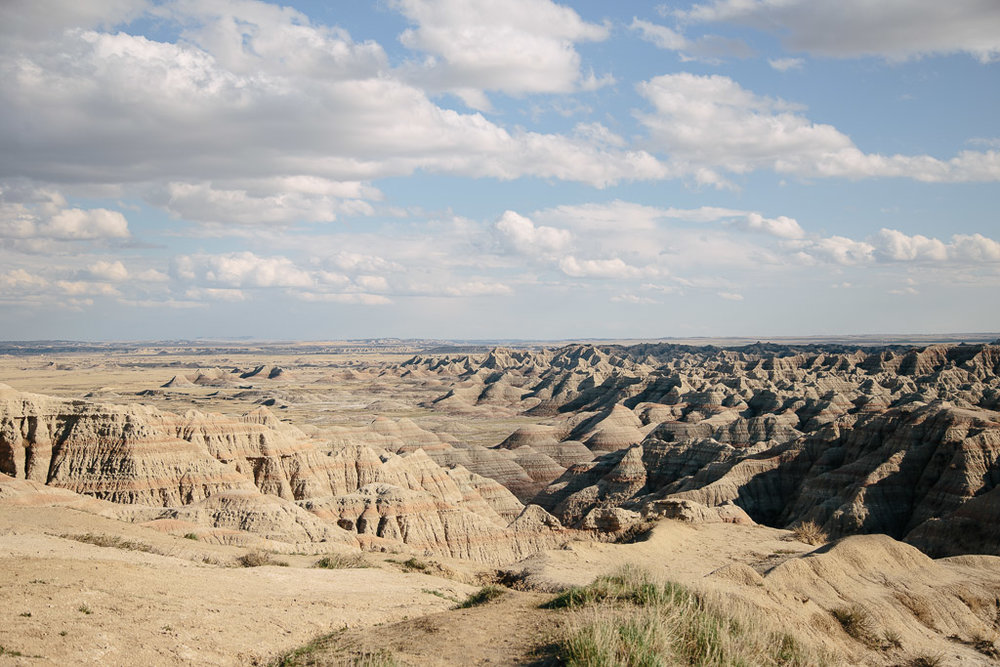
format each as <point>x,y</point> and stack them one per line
<point>895,29</point>
<point>36,213</point>
<point>107,271</point>
<point>633,298</point>
<point>613,268</point>
<point>241,270</point>
<point>215,294</point>
<point>202,202</point>
<point>660,35</point>
<point>782,226</point>
<point>20,281</point>
<point>522,234</point>
<point>86,288</point>
<point>710,48</point>
<point>891,246</point>
<point>730,296</point>
<point>785,64</point>
<point>514,46</point>
<point>711,122</point>
<point>255,94</point>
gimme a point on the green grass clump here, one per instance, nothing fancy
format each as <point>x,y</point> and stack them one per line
<point>341,562</point>
<point>258,559</point>
<point>482,596</point>
<point>628,618</point>
<point>190,536</point>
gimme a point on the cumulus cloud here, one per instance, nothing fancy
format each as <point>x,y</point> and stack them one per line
<point>256,92</point>
<point>894,29</point>
<point>613,268</point>
<point>38,213</point>
<point>241,269</point>
<point>107,271</point>
<point>894,246</point>
<point>524,236</point>
<point>782,226</point>
<point>514,46</point>
<point>711,122</point>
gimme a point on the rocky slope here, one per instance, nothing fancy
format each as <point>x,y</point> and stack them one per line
<point>884,440</point>
<point>256,473</point>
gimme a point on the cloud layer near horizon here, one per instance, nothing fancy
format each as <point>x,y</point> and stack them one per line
<point>182,154</point>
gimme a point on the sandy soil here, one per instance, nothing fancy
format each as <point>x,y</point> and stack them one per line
<point>65,602</point>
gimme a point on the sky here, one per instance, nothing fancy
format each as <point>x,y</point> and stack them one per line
<point>498,169</point>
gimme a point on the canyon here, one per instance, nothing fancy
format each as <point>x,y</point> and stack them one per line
<point>538,468</point>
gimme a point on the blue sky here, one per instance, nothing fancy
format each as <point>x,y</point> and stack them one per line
<point>498,169</point>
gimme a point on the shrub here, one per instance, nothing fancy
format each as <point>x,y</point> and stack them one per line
<point>482,596</point>
<point>857,622</point>
<point>809,532</point>
<point>341,562</point>
<point>258,559</point>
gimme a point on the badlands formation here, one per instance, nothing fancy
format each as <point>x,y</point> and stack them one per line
<point>792,482</point>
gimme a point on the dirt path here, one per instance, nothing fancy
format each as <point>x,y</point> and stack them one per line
<point>511,630</point>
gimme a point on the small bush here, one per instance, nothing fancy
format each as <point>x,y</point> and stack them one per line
<point>857,622</point>
<point>892,639</point>
<point>341,562</point>
<point>190,536</point>
<point>85,609</point>
<point>414,564</point>
<point>809,532</point>
<point>258,559</point>
<point>482,596</point>
<point>927,660</point>
<point>26,614</point>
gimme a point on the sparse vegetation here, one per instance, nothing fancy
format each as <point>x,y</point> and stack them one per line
<point>809,532</point>
<point>440,594</point>
<point>892,639</point>
<point>190,536</point>
<point>259,559</point>
<point>304,655</point>
<point>6,651</point>
<point>927,660</point>
<point>85,609</point>
<point>341,562</point>
<point>629,618</point>
<point>25,614</point>
<point>857,622</point>
<point>111,541</point>
<point>482,596</point>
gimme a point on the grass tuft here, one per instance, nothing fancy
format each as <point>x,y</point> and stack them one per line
<point>628,618</point>
<point>341,562</point>
<point>809,532</point>
<point>258,559</point>
<point>85,609</point>
<point>858,623</point>
<point>927,660</point>
<point>190,536</point>
<point>482,596</point>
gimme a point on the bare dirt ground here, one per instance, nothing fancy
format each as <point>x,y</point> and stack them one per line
<point>66,602</point>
